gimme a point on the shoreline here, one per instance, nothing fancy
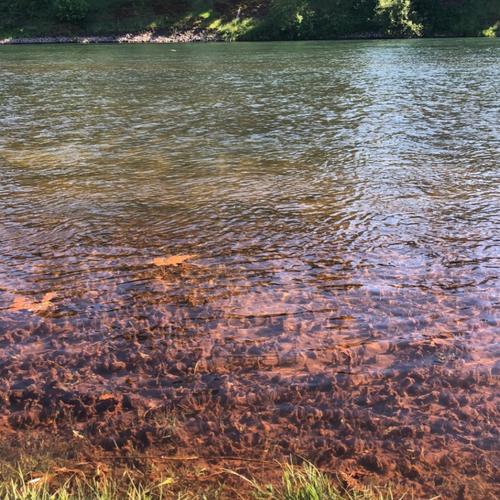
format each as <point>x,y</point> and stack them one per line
<point>189,36</point>
<point>137,38</point>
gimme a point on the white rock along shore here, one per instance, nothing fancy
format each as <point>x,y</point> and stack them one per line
<point>146,37</point>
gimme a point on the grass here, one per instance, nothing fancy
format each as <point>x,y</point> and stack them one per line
<point>305,482</point>
<point>45,467</point>
<point>38,488</point>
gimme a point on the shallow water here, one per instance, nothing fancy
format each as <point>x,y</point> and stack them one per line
<point>339,202</point>
<point>347,185</point>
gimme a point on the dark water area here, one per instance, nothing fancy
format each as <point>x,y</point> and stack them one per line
<point>334,213</point>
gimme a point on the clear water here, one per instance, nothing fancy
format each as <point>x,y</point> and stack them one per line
<point>339,201</point>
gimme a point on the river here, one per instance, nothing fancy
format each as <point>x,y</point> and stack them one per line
<point>237,220</point>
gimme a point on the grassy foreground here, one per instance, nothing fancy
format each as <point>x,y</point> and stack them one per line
<point>304,482</point>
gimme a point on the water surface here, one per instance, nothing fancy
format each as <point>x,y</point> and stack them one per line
<point>339,201</point>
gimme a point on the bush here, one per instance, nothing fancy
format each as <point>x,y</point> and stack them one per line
<point>71,11</point>
<point>493,31</point>
<point>233,30</point>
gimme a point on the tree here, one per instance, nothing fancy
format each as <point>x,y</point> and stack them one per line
<point>71,11</point>
<point>399,18</point>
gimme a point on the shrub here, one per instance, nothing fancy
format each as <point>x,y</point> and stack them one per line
<point>492,31</point>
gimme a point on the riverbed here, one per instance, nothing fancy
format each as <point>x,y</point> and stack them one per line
<point>285,248</point>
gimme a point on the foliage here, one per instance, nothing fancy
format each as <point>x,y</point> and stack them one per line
<point>72,11</point>
<point>236,29</point>
<point>492,31</point>
<point>290,19</point>
<point>256,19</point>
<point>399,18</point>
<point>457,17</point>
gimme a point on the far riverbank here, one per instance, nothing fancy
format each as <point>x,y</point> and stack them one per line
<point>146,37</point>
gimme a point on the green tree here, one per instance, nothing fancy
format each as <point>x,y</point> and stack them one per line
<point>399,18</point>
<point>71,11</point>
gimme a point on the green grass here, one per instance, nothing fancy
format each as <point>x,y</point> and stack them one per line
<point>304,482</point>
<point>307,482</point>
<point>39,488</point>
